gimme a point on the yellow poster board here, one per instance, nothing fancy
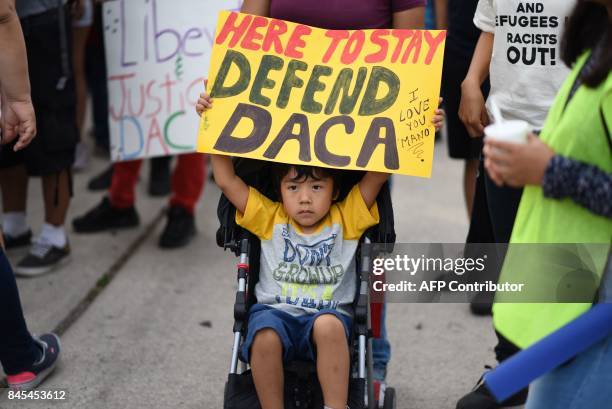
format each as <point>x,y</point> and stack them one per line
<point>349,99</point>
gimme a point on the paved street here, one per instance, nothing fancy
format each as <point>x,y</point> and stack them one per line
<point>158,335</point>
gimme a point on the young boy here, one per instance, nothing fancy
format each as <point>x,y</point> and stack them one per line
<point>307,278</point>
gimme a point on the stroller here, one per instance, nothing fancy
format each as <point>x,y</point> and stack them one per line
<point>302,389</point>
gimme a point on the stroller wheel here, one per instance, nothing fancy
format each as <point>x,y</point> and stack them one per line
<point>390,402</point>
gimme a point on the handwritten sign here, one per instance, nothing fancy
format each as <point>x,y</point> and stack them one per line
<point>158,53</point>
<point>352,99</point>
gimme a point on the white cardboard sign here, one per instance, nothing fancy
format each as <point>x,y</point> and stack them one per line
<point>157,57</point>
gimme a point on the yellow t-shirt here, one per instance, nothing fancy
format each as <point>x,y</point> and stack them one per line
<point>304,273</point>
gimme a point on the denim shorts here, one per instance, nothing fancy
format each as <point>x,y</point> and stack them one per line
<point>294,332</point>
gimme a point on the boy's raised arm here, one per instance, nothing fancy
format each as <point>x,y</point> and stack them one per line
<point>232,186</point>
<point>370,185</point>
<point>257,7</point>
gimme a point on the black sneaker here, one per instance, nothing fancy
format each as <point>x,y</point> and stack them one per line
<point>159,178</point>
<point>481,398</point>
<point>42,258</point>
<point>482,303</point>
<point>13,242</point>
<point>105,217</point>
<point>101,151</point>
<point>179,230</point>
<point>32,377</point>
<point>101,181</point>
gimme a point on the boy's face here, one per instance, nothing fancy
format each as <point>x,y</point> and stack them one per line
<point>306,201</point>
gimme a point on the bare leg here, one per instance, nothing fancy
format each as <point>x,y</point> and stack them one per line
<point>267,368</point>
<point>55,213</point>
<point>79,40</point>
<point>469,183</point>
<point>14,185</point>
<point>332,360</point>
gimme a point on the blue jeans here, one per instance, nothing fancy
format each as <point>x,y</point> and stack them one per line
<point>584,382</point>
<point>17,348</point>
<point>381,348</point>
<point>430,16</point>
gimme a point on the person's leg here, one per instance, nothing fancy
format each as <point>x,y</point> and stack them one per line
<point>381,347</point>
<point>51,153</point>
<point>188,180</point>
<point>56,194</point>
<point>14,184</point>
<point>460,144</point>
<point>504,348</point>
<point>266,347</point>
<point>481,231</point>
<point>14,188</point>
<point>159,176</point>
<point>25,360</point>
<point>123,185</point>
<point>80,33</point>
<point>187,186</point>
<point>267,368</point>
<point>18,350</point>
<point>50,248</point>
<point>469,183</point>
<point>95,67</point>
<point>503,204</point>
<point>333,361</point>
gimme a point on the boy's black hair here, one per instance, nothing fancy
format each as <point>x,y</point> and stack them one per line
<point>280,170</point>
<point>589,27</point>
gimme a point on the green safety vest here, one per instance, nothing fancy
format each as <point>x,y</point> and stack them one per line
<point>577,132</point>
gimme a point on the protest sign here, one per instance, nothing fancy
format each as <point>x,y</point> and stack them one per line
<point>157,56</point>
<point>350,99</point>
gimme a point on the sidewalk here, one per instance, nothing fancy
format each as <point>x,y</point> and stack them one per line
<point>159,334</point>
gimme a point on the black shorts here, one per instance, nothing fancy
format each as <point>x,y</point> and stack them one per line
<point>460,144</point>
<point>52,150</point>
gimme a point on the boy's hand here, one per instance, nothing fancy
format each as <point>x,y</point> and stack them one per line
<point>472,110</point>
<point>438,119</point>
<point>204,103</point>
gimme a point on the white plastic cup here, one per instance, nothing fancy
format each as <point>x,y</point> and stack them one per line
<point>514,131</point>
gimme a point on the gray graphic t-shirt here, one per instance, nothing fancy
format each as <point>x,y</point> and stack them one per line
<point>304,273</point>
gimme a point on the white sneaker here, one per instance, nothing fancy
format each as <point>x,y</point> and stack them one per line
<point>81,157</point>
